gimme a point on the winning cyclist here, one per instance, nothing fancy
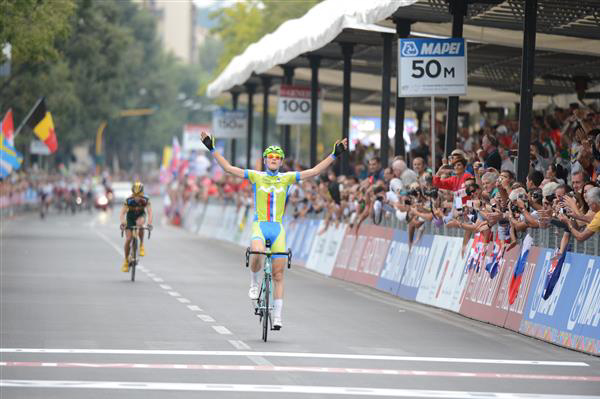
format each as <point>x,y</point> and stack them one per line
<point>135,209</point>
<point>270,192</point>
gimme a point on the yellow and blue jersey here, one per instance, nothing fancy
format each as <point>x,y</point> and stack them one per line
<point>270,193</point>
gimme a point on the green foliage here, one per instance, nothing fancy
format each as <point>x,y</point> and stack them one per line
<point>33,26</point>
<point>111,61</point>
<point>246,22</point>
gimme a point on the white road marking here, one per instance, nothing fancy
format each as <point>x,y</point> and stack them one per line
<point>206,318</point>
<point>194,308</point>
<point>158,280</point>
<point>184,300</point>
<point>237,344</point>
<point>279,389</point>
<point>222,330</point>
<point>295,354</point>
<point>165,287</point>
<point>109,242</point>
<point>173,293</point>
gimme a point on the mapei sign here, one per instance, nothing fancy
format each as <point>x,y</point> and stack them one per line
<point>432,67</point>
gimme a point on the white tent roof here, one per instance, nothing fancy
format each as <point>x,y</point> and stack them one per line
<point>293,38</point>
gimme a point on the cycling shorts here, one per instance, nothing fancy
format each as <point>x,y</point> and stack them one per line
<point>132,218</point>
<point>273,232</point>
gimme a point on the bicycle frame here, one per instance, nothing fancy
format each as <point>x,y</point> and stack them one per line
<point>133,258</point>
<point>264,304</point>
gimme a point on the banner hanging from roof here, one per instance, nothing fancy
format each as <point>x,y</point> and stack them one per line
<point>294,105</point>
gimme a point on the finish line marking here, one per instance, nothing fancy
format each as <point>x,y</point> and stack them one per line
<point>279,389</point>
<point>306,369</point>
<point>294,354</point>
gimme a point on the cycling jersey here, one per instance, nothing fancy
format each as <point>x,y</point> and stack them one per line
<point>270,193</point>
<point>136,207</point>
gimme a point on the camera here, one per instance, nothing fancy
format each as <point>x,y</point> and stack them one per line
<point>433,193</point>
<point>514,208</point>
<point>470,189</point>
<point>413,192</point>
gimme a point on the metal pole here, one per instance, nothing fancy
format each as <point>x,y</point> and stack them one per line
<point>458,9</point>
<point>386,78</point>
<point>288,79</point>
<point>315,61</point>
<point>402,31</point>
<point>250,89</point>
<point>234,104</point>
<point>527,75</point>
<point>347,50</point>
<point>266,83</point>
<point>27,117</point>
<point>432,128</point>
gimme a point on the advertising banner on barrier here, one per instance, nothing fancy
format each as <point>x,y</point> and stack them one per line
<point>487,299</point>
<point>415,268</point>
<point>444,278</point>
<point>304,246</point>
<point>571,315</point>
<point>395,261</point>
<point>343,257</point>
<point>368,255</point>
<point>325,248</point>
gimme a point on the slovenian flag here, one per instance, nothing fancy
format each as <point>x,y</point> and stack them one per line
<point>553,274</point>
<point>515,282</point>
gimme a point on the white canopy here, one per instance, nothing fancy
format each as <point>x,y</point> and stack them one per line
<point>318,27</point>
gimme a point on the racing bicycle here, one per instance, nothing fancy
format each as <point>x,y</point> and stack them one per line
<point>263,307</point>
<point>133,248</point>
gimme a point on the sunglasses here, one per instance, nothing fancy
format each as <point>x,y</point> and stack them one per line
<point>273,156</point>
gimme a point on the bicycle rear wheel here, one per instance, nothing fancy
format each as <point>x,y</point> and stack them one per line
<point>266,316</point>
<point>133,264</point>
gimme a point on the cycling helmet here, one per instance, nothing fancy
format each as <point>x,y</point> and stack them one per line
<point>137,188</point>
<point>273,149</point>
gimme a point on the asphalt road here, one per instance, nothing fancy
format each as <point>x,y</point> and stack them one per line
<point>73,326</point>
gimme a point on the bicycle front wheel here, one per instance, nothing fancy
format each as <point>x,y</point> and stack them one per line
<point>266,316</point>
<point>134,257</point>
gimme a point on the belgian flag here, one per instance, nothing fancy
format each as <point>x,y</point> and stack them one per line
<point>43,126</point>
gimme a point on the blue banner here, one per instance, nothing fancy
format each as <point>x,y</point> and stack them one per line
<point>415,268</point>
<point>391,273</point>
<point>571,315</point>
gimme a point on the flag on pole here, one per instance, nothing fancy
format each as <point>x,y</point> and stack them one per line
<point>515,282</point>
<point>10,159</point>
<point>556,264</point>
<point>8,127</point>
<point>175,156</point>
<point>43,126</point>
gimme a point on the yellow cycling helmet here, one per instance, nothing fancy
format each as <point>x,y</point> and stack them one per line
<point>137,188</point>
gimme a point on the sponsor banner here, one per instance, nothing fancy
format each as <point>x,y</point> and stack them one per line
<point>394,264</point>
<point>429,67</point>
<point>298,228</point>
<point>368,255</point>
<point>345,252</point>
<point>318,248</point>
<point>229,124</point>
<point>415,268</point>
<point>294,104</point>
<point>301,255</point>
<point>335,235</point>
<point>571,315</point>
<point>444,278</point>
<point>487,299</point>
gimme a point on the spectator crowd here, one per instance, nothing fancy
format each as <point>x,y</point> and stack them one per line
<point>474,189</point>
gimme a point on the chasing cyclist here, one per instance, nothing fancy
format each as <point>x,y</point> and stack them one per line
<point>270,191</point>
<point>134,212</point>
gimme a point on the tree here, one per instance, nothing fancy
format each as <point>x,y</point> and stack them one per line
<point>246,22</point>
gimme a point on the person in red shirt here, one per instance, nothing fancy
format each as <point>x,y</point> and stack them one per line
<point>454,183</point>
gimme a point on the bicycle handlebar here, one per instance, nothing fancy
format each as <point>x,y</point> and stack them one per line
<point>288,254</point>
<point>138,228</point>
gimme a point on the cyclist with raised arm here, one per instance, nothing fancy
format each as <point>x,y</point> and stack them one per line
<point>270,192</point>
<point>134,213</point>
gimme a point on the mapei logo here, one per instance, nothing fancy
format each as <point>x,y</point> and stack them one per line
<point>586,307</point>
<point>409,48</point>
